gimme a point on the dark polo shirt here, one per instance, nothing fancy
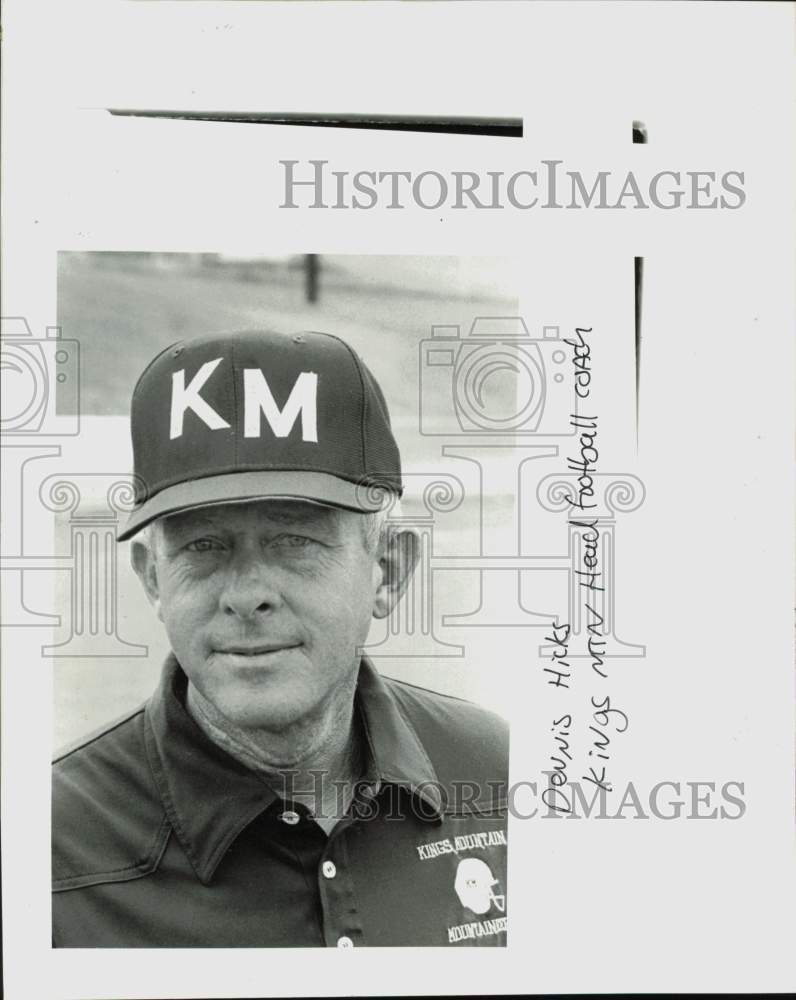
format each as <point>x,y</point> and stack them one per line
<point>161,839</point>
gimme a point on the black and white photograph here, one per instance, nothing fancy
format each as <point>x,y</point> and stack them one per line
<point>275,776</point>
<point>397,537</point>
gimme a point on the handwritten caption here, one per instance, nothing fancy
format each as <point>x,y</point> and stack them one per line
<point>602,721</point>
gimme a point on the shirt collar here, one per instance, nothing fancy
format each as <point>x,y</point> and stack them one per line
<point>210,798</point>
<point>395,754</point>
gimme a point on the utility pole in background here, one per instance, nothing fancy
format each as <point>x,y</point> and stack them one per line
<point>312,268</point>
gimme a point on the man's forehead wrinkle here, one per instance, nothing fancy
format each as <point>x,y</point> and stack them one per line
<point>184,520</point>
<point>300,513</point>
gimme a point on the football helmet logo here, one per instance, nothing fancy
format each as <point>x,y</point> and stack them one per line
<point>475,886</point>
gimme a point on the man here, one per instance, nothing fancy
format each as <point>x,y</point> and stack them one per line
<point>275,790</point>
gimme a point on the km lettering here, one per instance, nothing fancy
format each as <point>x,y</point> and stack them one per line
<point>258,400</point>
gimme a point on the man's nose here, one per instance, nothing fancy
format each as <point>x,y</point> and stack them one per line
<point>249,586</point>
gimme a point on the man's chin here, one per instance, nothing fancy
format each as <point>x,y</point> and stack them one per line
<point>276,714</point>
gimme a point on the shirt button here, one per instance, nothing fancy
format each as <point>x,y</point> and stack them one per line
<point>329,871</point>
<point>345,942</point>
<point>290,817</point>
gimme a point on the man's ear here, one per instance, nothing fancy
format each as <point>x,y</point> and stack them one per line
<point>398,557</point>
<point>143,560</point>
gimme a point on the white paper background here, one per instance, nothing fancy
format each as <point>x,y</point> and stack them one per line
<point>706,576</point>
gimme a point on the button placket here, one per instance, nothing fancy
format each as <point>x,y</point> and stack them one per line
<point>341,920</point>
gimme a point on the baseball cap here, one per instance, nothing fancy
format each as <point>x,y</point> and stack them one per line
<point>258,415</point>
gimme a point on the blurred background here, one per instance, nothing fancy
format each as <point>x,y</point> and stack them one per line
<point>123,308</point>
<point>134,304</point>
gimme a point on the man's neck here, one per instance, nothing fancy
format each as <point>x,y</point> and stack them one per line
<point>316,765</point>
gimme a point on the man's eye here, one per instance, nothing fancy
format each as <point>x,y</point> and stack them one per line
<point>294,541</point>
<point>203,545</point>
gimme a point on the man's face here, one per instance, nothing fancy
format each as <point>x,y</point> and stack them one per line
<point>265,604</point>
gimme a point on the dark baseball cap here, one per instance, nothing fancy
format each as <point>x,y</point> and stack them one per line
<point>258,415</point>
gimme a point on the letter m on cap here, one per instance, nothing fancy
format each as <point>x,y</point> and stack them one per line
<point>258,399</point>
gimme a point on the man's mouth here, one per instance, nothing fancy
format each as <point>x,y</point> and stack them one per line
<point>254,650</point>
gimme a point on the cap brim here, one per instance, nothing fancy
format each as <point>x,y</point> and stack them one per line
<point>317,487</point>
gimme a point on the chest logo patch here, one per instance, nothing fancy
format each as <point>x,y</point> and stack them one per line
<point>475,886</point>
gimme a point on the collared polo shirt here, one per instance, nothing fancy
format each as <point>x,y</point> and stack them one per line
<point>161,839</point>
